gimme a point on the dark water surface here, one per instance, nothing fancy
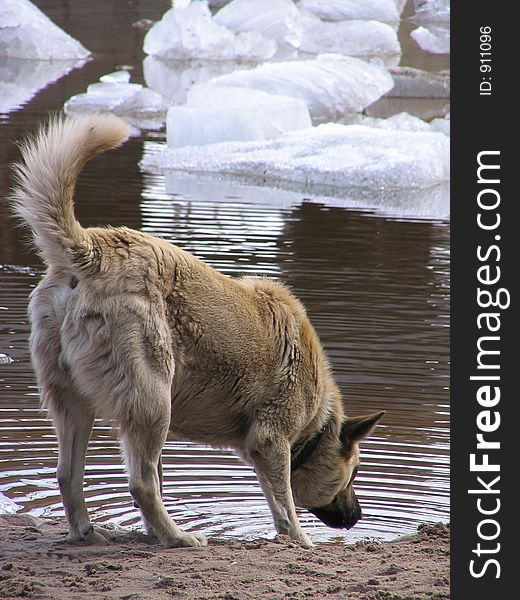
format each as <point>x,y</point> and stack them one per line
<point>376,289</point>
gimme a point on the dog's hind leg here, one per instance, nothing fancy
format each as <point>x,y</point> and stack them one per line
<point>73,429</point>
<point>70,411</point>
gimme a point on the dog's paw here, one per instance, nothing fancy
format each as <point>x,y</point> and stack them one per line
<point>92,535</point>
<point>301,539</point>
<point>305,540</point>
<point>186,540</point>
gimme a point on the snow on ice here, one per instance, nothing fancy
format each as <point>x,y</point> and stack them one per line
<point>330,156</point>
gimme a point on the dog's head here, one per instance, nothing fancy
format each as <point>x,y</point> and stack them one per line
<point>324,484</point>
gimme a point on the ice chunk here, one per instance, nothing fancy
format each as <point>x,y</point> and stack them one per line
<point>25,32</point>
<point>414,83</point>
<point>434,39</point>
<point>215,114</point>
<point>140,106</point>
<point>442,125</point>
<point>321,159</point>
<point>278,20</point>
<point>346,10</point>
<point>434,18</point>
<point>173,79</point>
<point>400,4</point>
<point>7,506</point>
<point>5,359</point>
<point>400,122</point>
<point>331,85</point>
<point>353,38</point>
<point>432,11</point>
<point>21,79</point>
<point>191,33</point>
<point>406,122</point>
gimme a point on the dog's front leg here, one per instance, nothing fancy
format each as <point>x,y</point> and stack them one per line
<point>272,462</point>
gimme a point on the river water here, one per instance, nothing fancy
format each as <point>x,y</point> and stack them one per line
<point>375,284</point>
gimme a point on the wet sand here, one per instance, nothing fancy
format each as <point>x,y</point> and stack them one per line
<point>37,562</point>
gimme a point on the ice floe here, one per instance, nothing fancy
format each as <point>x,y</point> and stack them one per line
<point>346,10</point>
<point>406,122</point>
<point>415,83</point>
<point>324,159</point>
<point>139,106</point>
<point>7,506</point>
<point>216,114</point>
<point>5,359</point>
<point>278,20</point>
<point>442,125</point>
<point>331,85</point>
<point>173,79</point>
<point>434,39</point>
<point>21,79</point>
<point>191,33</point>
<point>433,16</point>
<point>432,11</point>
<point>26,32</point>
<point>363,39</point>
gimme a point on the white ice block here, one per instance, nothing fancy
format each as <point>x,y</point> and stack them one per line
<point>331,85</point>
<point>442,125</point>
<point>366,39</point>
<point>433,16</point>
<point>141,106</point>
<point>415,83</point>
<point>346,10</point>
<point>399,122</point>
<point>173,79</point>
<point>216,114</point>
<point>191,33</point>
<point>405,122</point>
<point>8,506</point>
<point>278,20</point>
<point>320,159</point>
<point>26,32</point>
<point>434,39</point>
<point>432,11</point>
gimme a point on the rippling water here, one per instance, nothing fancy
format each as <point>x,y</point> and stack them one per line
<point>376,287</point>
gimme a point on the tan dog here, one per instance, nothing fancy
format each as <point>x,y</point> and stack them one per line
<point>128,327</point>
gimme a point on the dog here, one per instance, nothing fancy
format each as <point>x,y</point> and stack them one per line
<point>130,328</point>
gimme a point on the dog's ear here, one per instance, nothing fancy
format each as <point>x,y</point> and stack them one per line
<point>357,428</point>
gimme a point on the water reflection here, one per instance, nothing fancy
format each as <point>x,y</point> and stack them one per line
<point>21,79</point>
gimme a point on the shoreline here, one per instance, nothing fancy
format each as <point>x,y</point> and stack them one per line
<point>37,562</point>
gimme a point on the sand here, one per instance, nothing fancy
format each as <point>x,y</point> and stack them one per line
<point>37,562</point>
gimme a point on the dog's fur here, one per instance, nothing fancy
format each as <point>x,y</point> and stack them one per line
<point>128,327</point>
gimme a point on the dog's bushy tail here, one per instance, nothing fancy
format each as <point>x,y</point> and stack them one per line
<point>46,179</point>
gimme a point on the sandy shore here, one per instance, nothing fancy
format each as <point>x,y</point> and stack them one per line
<point>36,562</point>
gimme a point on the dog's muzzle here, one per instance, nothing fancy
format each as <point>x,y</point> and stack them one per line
<point>342,513</point>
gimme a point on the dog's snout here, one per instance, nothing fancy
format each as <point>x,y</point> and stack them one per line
<point>337,519</point>
<point>342,513</point>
